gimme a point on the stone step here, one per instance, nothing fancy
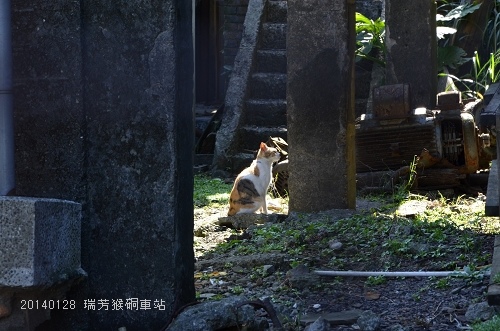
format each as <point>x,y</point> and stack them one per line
<point>277,12</point>
<point>253,135</point>
<point>266,112</point>
<point>268,86</point>
<point>273,36</point>
<point>270,60</point>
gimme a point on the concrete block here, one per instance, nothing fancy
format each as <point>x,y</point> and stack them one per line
<point>39,241</point>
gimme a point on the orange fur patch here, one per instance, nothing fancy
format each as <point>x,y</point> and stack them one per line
<point>256,171</point>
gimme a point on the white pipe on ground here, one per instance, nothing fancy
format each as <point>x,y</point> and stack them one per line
<point>7,178</point>
<point>392,273</point>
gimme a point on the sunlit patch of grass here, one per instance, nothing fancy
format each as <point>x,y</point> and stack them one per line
<point>210,192</point>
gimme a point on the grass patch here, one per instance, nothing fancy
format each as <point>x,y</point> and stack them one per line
<point>210,192</point>
<point>447,236</point>
<point>491,325</point>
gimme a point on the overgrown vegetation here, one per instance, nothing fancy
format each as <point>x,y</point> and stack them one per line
<point>484,66</point>
<point>369,38</point>
<point>451,57</point>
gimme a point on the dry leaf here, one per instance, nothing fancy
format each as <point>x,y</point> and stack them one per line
<point>371,295</point>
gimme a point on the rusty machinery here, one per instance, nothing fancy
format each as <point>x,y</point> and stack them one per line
<point>448,137</point>
<point>447,143</point>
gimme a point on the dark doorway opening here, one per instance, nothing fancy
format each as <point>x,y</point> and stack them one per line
<point>208,55</point>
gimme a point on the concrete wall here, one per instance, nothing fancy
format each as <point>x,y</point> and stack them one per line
<point>103,114</point>
<point>234,12</point>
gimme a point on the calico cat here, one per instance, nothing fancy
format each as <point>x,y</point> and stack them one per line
<point>250,187</point>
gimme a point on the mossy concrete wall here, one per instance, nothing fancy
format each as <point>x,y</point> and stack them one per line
<point>104,116</point>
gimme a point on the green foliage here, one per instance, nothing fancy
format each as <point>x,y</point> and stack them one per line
<point>496,279</point>
<point>488,72</point>
<point>443,283</point>
<point>484,71</point>
<point>369,36</point>
<point>449,55</point>
<point>237,290</point>
<point>401,192</point>
<point>492,32</point>
<point>483,74</point>
<point>375,281</point>
<point>458,11</point>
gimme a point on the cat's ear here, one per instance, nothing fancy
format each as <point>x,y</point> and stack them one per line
<point>263,146</point>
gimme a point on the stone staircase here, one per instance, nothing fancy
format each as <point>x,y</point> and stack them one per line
<point>264,111</point>
<point>256,98</point>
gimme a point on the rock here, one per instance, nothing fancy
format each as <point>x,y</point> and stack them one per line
<point>397,327</point>
<point>239,269</point>
<point>412,208</point>
<point>217,315</point>
<point>300,277</point>
<point>244,221</point>
<point>268,270</point>
<point>335,245</point>
<point>479,312</point>
<point>320,324</point>
<point>346,317</point>
<point>247,261</point>
<point>200,232</point>
<point>368,321</point>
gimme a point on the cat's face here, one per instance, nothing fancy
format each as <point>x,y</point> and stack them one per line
<point>269,153</point>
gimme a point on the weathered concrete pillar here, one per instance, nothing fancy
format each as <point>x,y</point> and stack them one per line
<point>410,37</point>
<point>139,78</point>
<point>320,105</point>
<point>105,98</point>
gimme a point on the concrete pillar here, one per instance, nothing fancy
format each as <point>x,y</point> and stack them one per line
<point>110,104</point>
<point>139,75</point>
<point>320,105</point>
<point>410,37</point>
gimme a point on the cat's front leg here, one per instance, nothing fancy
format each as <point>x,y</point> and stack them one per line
<point>264,206</point>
